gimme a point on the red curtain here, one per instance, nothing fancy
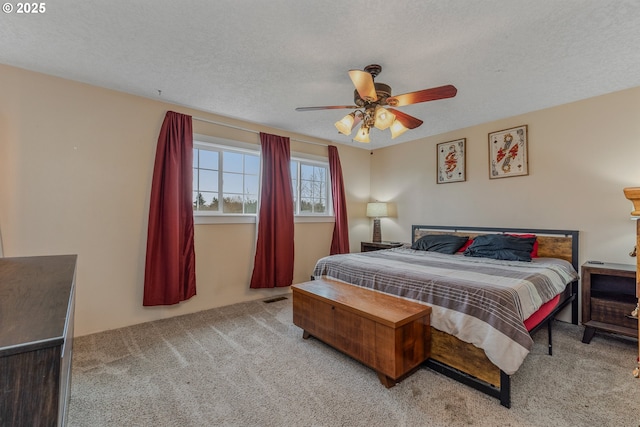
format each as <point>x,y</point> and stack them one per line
<point>273,265</point>
<point>170,270</point>
<point>340,241</point>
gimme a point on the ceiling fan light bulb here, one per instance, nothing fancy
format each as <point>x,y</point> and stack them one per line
<point>384,118</point>
<point>345,125</point>
<point>362,135</point>
<point>397,129</point>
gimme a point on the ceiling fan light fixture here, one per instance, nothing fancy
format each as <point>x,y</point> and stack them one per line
<point>397,129</point>
<point>345,125</point>
<point>362,135</point>
<point>374,105</point>
<point>357,120</point>
<point>384,118</point>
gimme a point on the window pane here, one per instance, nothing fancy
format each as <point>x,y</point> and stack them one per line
<point>313,191</point>
<point>321,190</point>
<point>208,180</point>
<point>232,162</point>
<point>232,203</point>
<point>232,183</point>
<point>211,201</point>
<point>294,190</point>
<point>314,188</point>
<point>251,203</point>
<point>305,189</point>
<point>294,180</point>
<point>251,164</point>
<point>306,205</point>
<point>195,157</point>
<point>195,179</point>
<point>306,172</point>
<point>204,201</point>
<point>251,184</point>
<point>208,159</point>
<point>294,185</point>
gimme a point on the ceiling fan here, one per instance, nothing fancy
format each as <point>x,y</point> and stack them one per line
<point>372,101</point>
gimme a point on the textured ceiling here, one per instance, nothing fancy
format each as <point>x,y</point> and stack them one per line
<point>259,60</point>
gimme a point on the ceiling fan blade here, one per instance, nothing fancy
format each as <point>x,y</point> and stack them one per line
<point>440,92</point>
<point>407,121</point>
<point>363,81</point>
<point>327,107</point>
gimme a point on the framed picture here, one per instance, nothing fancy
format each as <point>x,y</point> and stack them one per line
<point>451,157</point>
<point>508,153</point>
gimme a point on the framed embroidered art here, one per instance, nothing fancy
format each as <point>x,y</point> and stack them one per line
<point>451,161</point>
<point>508,153</point>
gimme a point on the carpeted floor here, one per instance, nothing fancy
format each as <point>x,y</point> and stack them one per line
<point>247,365</point>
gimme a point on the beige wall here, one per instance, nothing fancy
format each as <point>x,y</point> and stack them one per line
<point>75,174</point>
<point>76,163</point>
<point>581,156</point>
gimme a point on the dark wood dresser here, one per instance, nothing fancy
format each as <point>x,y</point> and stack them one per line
<point>36,339</point>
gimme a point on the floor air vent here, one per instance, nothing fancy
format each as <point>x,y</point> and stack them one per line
<point>274,299</point>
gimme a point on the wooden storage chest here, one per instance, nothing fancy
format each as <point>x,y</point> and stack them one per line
<point>387,333</point>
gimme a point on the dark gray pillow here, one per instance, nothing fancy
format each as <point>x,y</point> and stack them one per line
<point>501,246</point>
<point>443,243</point>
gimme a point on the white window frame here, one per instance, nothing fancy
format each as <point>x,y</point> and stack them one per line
<point>312,160</point>
<point>222,144</point>
<point>205,142</point>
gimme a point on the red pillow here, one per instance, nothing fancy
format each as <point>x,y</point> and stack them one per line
<point>465,246</point>
<point>534,251</point>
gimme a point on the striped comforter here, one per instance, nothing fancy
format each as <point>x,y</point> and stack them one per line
<point>479,300</point>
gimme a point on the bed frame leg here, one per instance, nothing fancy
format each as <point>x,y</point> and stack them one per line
<point>505,389</point>
<point>549,328</point>
<point>503,392</point>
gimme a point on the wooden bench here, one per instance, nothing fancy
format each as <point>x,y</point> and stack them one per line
<point>387,333</point>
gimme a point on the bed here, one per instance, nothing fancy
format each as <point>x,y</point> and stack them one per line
<point>484,309</point>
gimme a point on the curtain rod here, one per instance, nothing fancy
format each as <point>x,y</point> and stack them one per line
<point>251,130</point>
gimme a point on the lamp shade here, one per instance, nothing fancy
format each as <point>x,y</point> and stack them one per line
<point>384,118</point>
<point>377,209</point>
<point>345,125</point>
<point>363,134</point>
<point>397,129</point>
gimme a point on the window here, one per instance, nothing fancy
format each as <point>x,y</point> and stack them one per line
<point>311,187</point>
<point>226,182</point>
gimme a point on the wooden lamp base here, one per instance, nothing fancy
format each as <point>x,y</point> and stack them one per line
<point>377,234</point>
<point>633,194</point>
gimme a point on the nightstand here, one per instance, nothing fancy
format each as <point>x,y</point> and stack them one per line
<point>608,298</point>
<point>376,246</point>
